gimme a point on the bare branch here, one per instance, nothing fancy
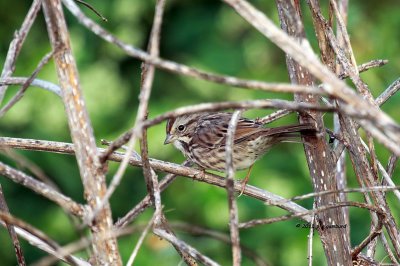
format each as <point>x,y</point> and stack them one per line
<point>375,232</point>
<point>319,157</point>
<point>313,212</point>
<point>11,231</point>
<point>25,163</point>
<point>310,237</point>
<point>8,219</point>
<point>389,92</point>
<point>391,165</point>
<point>46,85</point>
<point>302,53</point>
<point>274,116</point>
<point>146,201</point>
<point>16,44</point>
<point>185,247</point>
<point>180,68</point>
<point>92,8</point>
<point>41,188</point>
<point>366,66</point>
<point>200,231</point>
<point>25,86</point>
<point>148,72</point>
<point>230,172</point>
<point>67,148</point>
<point>92,175</point>
<point>140,241</point>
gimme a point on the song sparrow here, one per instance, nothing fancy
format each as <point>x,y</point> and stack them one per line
<point>202,137</point>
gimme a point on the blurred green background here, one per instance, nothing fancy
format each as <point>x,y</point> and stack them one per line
<point>208,35</point>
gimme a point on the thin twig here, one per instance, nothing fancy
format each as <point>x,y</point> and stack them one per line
<point>230,173</point>
<point>223,237</point>
<point>274,116</point>
<point>16,44</point>
<point>25,163</point>
<point>46,85</point>
<point>41,244</point>
<point>346,190</point>
<point>382,98</point>
<point>9,219</point>
<point>146,201</point>
<point>362,205</point>
<point>385,175</point>
<point>389,92</point>
<point>366,66</point>
<point>93,9</point>
<point>148,72</point>
<point>375,232</point>
<point>185,247</point>
<point>42,189</point>
<point>391,165</point>
<point>11,231</point>
<point>26,85</point>
<point>140,241</point>
<point>310,237</point>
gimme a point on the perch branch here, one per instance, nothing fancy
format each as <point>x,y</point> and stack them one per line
<point>68,148</point>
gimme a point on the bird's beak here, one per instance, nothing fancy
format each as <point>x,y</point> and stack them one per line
<point>168,139</point>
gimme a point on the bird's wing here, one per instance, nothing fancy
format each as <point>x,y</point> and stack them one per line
<point>211,131</point>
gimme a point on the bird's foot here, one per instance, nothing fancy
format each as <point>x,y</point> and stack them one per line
<point>245,180</point>
<point>201,174</point>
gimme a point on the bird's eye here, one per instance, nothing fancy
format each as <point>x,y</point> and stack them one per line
<point>181,127</point>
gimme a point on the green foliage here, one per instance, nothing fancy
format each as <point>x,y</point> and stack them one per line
<point>204,34</point>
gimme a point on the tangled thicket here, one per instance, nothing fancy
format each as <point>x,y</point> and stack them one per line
<point>318,87</point>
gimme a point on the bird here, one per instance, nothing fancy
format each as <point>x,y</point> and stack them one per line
<point>201,137</point>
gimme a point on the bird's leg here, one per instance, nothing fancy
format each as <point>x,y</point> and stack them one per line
<point>245,180</point>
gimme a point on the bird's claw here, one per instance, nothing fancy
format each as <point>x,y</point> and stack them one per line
<point>201,174</point>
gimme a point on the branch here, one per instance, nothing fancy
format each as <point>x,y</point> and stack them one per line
<point>16,44</point>
<point>313,212</point>
<point>25,86</point>
<point>42,189</point>
<point>92,175</point>
<point>46,85</point>
<point>366,66</point>
<point>230,172</point>
<point>302,53</point>
<point>157,165</point>
<point>11,231</point>
<point>146,201</point>
<point>180,68</point>
<point>43,240</point>
<point>185,247</point>
<point>200,231</point>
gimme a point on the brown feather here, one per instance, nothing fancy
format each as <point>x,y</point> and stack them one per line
<point>202,138</point>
